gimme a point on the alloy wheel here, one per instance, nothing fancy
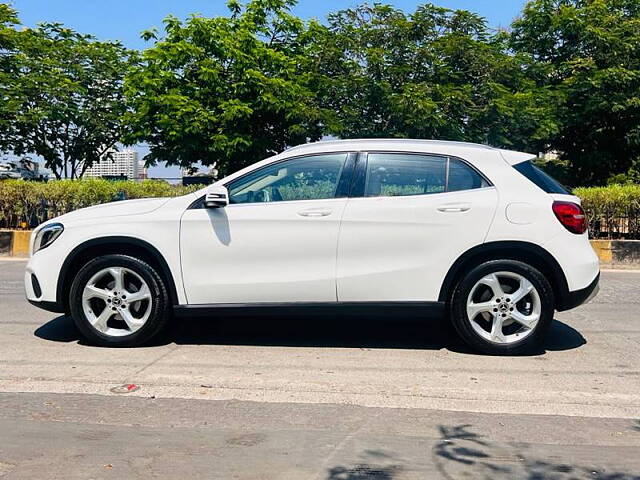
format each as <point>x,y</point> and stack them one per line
<point>117,301</point>
<point>503,307</point>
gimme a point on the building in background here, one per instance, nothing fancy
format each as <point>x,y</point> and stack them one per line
<point>143,173</point>
<point>123,163</point>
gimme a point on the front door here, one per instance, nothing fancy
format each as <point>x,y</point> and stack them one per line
<point>412,216</point>
<point>277,239</point>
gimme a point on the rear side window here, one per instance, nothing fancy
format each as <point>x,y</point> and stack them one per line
<point>543,180</point>
<point>392,174</point>
<point>463,177</point>
<point>397,174</point>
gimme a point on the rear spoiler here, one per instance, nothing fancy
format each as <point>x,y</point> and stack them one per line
<point>513,158</point>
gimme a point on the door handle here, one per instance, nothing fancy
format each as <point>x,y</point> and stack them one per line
<point>454,207</point>
<point>315,213</point>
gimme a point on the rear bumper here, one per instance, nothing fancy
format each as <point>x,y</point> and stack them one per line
<point>579,297</point>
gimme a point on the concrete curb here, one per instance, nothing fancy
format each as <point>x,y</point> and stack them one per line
<point>14,243</point>
<point>618,253</point>
<point>612,253</point>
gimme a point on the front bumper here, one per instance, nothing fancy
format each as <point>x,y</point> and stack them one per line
<point>34,294</point>
<point>41,279</point>
<point>579,297</point>
<point>48,306</point>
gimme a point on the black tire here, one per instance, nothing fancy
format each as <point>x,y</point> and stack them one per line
<point>160,303</point>
<point>531,343</point>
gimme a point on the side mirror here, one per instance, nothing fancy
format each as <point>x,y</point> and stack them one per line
<point>218,197</point>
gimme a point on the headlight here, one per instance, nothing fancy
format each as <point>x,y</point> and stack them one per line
<point>47,235</point>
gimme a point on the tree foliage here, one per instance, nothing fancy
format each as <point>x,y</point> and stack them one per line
<point>9,39</point>
<point>67,98</point>
<point>588,51</point>
<point>434,73</point>
<point>234,89</point>
<point>226,90</point>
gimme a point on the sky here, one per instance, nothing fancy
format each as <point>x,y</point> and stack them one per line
<point>124,19</point>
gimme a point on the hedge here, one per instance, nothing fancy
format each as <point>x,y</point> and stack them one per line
<point>26,204</point>
<point>613,211</point>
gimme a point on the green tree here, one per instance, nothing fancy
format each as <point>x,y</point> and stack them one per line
<point>226,90</point>
<point>435,73</point>
<point>66,96</point>
<point>9,39</point>
<point>588,51</point>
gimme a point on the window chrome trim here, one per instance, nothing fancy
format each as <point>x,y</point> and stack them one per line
<point>359,168</point>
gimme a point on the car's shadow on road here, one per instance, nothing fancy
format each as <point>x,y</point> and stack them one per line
<point>355,332</point>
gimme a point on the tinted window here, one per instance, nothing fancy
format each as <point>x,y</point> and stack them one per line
<point>307,178</point>
<point>463,177</point>
<point>540,178</point>
<point>391,174</point>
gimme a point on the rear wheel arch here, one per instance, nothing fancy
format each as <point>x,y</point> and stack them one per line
<point>131,246</point>
<point>525,252</point>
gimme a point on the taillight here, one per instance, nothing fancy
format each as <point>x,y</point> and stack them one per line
<point>571,215</point>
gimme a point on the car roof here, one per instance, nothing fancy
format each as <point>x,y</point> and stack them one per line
<point>443,147</point>
<point>472,152</point>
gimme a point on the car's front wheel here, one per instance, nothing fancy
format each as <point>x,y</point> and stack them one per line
<point>119,301</point>
<point>503,307</point>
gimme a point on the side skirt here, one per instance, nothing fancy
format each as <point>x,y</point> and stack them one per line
<point>320,309</point>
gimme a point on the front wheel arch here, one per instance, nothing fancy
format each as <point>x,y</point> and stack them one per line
<point>123,245</point>
<point>525,252</point>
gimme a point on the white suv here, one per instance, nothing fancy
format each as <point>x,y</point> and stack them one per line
<point>377,225</point>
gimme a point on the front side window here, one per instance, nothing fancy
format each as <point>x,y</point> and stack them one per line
<point>394,174</point>
<point>305,178</point>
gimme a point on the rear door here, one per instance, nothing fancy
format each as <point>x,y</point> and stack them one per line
<point>409,218</point>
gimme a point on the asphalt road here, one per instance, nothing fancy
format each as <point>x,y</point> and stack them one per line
<point>340,399</point>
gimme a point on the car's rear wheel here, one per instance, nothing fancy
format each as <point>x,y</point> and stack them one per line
<point>119,301</point>
<point>503,307</point>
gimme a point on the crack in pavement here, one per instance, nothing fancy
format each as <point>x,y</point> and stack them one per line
<point>172,349</point>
